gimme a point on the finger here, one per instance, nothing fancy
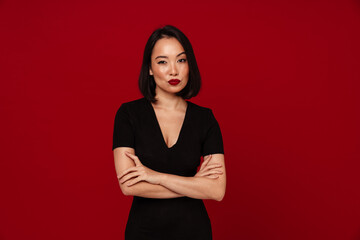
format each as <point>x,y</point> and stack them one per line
<point>211,172</point>
<point>213,176</point>
<point>129,176</point>
<point>134,158</point>
<point>209,167</point>
<point>134,181</point>
<point>212,166</point>
<point>207,156</point>
<point>205,162</point>
<point>126,172</point>
<point>130,155</point>
<point>137,161</point>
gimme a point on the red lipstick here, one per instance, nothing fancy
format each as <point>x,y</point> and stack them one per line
<point>174,81</point>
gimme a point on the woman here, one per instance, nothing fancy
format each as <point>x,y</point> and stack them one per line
<point>158,142</point>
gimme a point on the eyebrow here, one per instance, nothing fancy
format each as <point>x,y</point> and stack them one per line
<point>167,57</point>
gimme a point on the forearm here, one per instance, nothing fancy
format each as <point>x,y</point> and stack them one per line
<point>200,187</point>
<point>194,187</point>
<point>148,190</point>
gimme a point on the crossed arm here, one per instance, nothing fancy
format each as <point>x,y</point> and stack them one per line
<point>136,179</point>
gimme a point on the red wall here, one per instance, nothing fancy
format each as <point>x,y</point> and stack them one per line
<point>282,78</point>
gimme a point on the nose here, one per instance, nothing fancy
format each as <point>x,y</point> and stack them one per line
<point>173,69</point>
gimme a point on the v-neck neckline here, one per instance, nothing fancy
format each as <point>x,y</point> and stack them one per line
<point>159,128</point>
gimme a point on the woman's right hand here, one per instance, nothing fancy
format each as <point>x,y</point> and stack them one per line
<point>209,170</point>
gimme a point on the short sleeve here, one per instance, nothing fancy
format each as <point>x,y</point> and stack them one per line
<point>213,142</point>
<point>123,135</point>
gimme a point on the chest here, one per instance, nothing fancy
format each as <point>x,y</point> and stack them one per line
<point>170,125</point>
<point>169,143</point>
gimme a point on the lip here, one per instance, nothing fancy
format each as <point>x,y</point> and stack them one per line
<point>174,81</point>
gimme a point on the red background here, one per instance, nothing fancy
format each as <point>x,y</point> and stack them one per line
<point>282,78</point>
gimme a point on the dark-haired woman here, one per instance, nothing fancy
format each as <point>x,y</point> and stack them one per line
<point>158,142</point>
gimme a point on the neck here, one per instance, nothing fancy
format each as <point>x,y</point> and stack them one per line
<point>169,101</point>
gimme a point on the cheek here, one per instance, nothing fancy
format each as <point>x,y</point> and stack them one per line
<point>159,70</point>
<point>185,70</point>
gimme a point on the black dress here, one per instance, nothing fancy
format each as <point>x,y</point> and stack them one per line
<point>136,126</point>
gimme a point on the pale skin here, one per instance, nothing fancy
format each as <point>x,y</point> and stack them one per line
<point>168,61</point>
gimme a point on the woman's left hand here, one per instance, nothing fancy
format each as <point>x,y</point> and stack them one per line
<point>138,173</point>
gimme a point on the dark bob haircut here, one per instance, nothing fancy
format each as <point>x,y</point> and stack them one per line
<point>147,82</point>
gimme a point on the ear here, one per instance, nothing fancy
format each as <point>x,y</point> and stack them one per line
<point>150,71</point>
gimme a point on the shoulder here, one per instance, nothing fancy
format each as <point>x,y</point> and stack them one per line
<point>203,114</point>
<point>132,105</point>
<point>199,108</point>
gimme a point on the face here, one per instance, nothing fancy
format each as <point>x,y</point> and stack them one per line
<point>169,66</point>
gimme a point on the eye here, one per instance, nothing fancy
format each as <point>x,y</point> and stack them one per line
<point>182,60</point>
<point>161,62</point>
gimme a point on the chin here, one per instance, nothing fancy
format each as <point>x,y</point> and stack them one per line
<point>176,89</point>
